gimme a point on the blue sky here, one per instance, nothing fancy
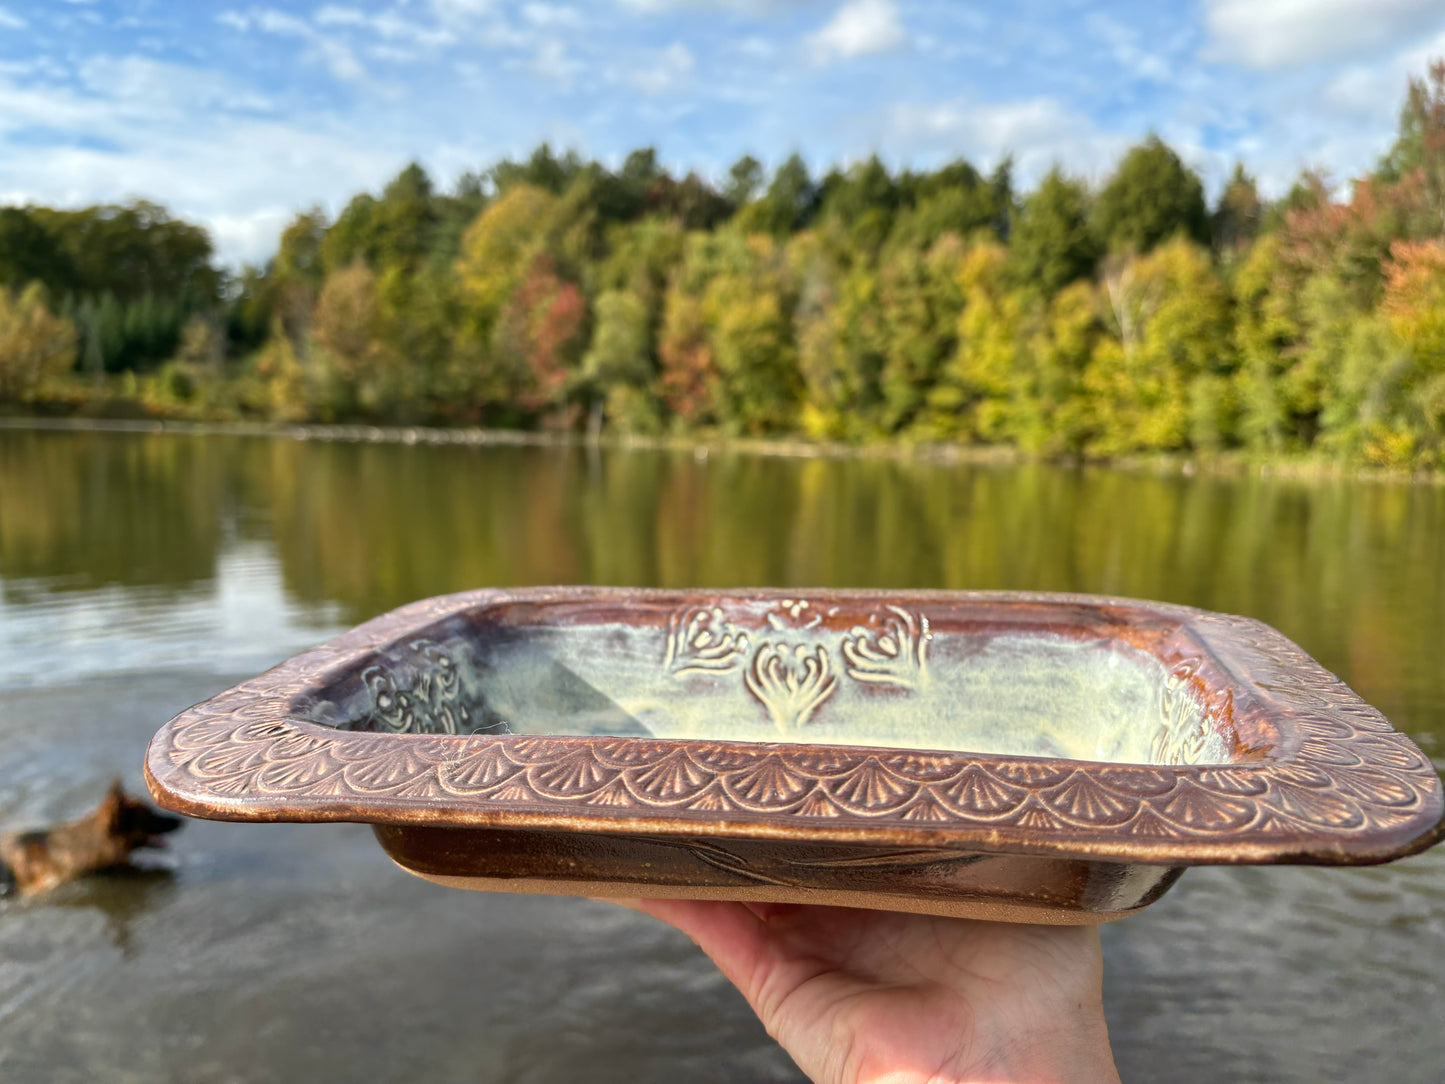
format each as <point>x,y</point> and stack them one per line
<point>239,114</point>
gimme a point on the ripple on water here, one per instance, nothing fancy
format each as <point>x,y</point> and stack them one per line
<point>288,953</point>
<point>54,633</point>
<point>1235,958</point>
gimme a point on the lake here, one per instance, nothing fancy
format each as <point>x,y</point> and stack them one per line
<point>140,573</point>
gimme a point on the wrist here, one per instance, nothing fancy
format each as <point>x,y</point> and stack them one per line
<point>1071,1046</point>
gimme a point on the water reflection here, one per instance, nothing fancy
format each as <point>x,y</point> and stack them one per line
<point>243,619</point>
<point>86,510</point>
<point>121,898</point>
<point>1356,572</point>
<point>141,573</point>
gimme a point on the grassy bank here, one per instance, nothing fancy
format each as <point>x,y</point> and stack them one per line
<point>705,444</point>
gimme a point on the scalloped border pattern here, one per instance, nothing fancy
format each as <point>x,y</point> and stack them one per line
<point>1354,790</point>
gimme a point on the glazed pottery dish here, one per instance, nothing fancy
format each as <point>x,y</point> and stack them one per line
<point>1020,757</point>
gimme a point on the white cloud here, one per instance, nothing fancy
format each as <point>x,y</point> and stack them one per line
<point>674,64</point>
<point>386,24</point>
<point>154,90</point>
<point>554,62</point>
<point>1123,43</point>
<point>1340,120</point>
<point>552,15</point>
<point>335,15</point>
<point>34,66</point>
<point>119,98</point>
<point>1274,34</point>
<point>455,13</point>
<point>135,127</point>
<point>249,238</point>
<point>857,28</point>
<point>1363,88</point>
<point>330,52</point>
<point>240,152</point>
<point>339,60</point>
<point>454,22</point>
<point>10,21</point>
<point>395,34</point>
<point>757,48</point>
<point>279,22</point>
<point>748,7</point>
<point>1038,132</point>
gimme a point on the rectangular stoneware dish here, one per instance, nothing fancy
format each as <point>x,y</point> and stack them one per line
<point>1042,758</point>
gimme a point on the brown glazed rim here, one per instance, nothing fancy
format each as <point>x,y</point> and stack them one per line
<point>1342,787</point>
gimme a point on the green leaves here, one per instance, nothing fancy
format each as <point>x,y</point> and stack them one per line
<point>1052,243</point>
<point>36,346</point>
<point>870,304</point>
<point>1151,197</point>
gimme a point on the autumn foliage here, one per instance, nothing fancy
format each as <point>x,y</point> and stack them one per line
<point>867,304</point>
<point>36,347</point>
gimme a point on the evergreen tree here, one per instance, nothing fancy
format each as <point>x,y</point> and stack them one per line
<point>932,304</point>
<point>745,179</point>
<point>1151,197</point>
<point>789,202</point>
<point>1052,244</point>
<point>1239,214</point>
<point>862,202</point>
<point>1420,145</point>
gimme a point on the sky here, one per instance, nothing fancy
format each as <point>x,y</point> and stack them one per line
<point>237,115</point>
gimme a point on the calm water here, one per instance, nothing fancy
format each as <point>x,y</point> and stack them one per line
<point>140,573</point>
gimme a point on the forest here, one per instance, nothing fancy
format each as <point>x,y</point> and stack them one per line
<point>554,293</point>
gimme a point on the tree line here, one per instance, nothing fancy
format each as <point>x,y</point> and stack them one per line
<point>866,304</point>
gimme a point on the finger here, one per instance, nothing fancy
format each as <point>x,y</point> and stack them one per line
<point>630,904</point>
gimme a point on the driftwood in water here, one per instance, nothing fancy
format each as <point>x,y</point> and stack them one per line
<point>41,859</point>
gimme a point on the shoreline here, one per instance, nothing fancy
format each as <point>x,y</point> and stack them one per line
<point>704,445</point>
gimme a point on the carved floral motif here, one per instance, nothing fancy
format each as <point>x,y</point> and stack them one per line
<point>796,613</point>
<point>1185,735</point>
<point>1350,789</point>
<point>425,698</point>
<point>702,641</point>
<point>791,680</point>
<point>892,651</point>
<point>793,671</point>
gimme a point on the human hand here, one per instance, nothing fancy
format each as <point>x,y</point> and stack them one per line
<point>867,997</point>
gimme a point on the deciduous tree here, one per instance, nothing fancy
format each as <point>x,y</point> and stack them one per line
<point>36,346</point>
<point>1160,379</point>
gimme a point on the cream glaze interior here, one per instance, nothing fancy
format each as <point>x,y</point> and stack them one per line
<point>785,675</point>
